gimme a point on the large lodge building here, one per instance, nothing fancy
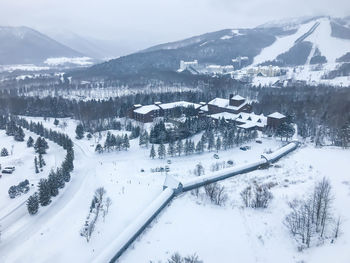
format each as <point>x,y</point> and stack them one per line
<point>234,109</point>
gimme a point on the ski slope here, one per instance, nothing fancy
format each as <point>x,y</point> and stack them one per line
<point>282,44</point>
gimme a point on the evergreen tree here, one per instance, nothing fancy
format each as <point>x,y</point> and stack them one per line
<point>53,183</point>
<point>179,147</point>
<point>4,152</point>
<point>30,142</point>
<point>56,122</point>
<point>211,140</point>
<point>99,148</point>
<point>191,147</point>
<point>79,131</point>
<point>19,135</point>
<point>41,146</point>
<point>199,147</point>
<point>36,165</point>
<point>41,161</point>
<point>152,152</point>
<point>161,151</point>
<point>33,204</point>
<point>171,149</point>
<point>44,192</point>
<point>218,144</point>
<point>187,147</point>
<point>126,143</point>
<point>66,175</point>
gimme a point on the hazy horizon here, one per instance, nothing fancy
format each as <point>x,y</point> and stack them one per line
<point>137,24</point>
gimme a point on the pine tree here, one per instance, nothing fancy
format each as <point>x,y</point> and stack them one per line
<point>187,147</point>
<point>126,143</point>
<point>179,147</point>
<point>218,144</point>
<point>161,151</point>
<point>199,147</point>
<point>44,192</point>
<point>171,149</point>
<point>79,131</point>
<point>36,165</point>
<point>30,142</point>
<point>192,148</point>
<point>211,140</point>
<point>19,135</point>
<point>41,146</point>
<point>33,204</point>
<point>153,152</point>
<point>53,183</point>
<point>56,122</point>
<point>99,148</point>
<point>4,152</point>
<point>60,178</point>
<point>41,161</point>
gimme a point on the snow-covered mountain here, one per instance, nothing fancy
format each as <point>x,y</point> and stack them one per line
<point>321,41</point>
<point>23,45</point>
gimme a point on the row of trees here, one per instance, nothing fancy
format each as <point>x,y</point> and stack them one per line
<point>114,143</point>
<point>49,187</point>
<point>225,140</point>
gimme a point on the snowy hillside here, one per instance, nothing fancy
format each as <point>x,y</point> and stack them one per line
<point>320,36</point>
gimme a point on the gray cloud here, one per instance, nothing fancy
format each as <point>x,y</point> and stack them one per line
<point>146,22</point>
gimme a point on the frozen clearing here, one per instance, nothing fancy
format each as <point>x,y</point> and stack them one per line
<point>223,234</point>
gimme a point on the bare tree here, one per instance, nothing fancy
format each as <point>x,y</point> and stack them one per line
<point>246,196</point>
<point>108,203</point>
<point>257,196</point>
<point>311,216</point>
<point>337,227</point>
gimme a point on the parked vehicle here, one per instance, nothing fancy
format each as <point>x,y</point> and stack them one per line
<point>168,161</point>
<point>258,141</point>
<point>7,171</point>
<point>216,156</point>
<point>167,169</point>
<point>245,148</point>
<point>230,162</point>
<point>10,168</point>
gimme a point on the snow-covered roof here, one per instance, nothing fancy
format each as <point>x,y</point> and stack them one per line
<point>237,97</point>
<point>247,125</point>
<point>276,115</point>
<point>204,108</point>
<point>225,115</point>
<point>225,103</point>
<point>183,104</point>
<point>146,109</point>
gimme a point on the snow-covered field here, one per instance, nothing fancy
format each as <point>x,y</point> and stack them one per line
<point>235,234</point>
<point>189,225</point>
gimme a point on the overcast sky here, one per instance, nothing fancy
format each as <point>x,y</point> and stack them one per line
<point>148,22</point>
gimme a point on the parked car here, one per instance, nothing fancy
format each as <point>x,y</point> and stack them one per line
<point>7,171</point>
<point>167,169</point>
<point>216,156</point>
<point>258,141</point>
<point>10,168</point>
<point>245,148</point>
<point>142,170</point>
<point>168,161</point>
<point>230,162</point>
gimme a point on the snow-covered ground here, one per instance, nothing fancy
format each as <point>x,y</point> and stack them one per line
<point>232,233</point>
<point>189,225</point>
